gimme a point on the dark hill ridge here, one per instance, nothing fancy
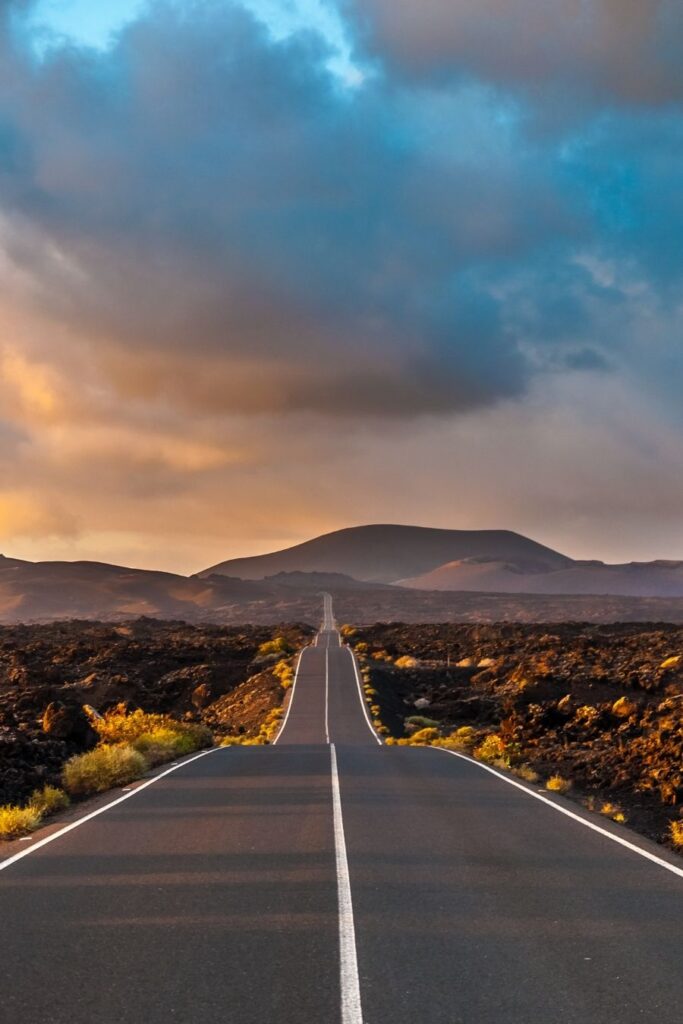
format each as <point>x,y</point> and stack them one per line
<point>386,553</point>
<point>375,573</point>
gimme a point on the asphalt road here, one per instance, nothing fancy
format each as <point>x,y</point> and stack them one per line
<point>328,879</point>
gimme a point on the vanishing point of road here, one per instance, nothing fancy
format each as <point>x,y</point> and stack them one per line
<point>329,879</point>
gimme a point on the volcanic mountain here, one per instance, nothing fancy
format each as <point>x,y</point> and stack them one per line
<point>385,554</point>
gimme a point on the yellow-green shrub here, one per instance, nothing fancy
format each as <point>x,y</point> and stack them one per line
<point>526,772</point>
<point>106,766</point>
<point>425,736</point>
<point>270,726</point>
<point>466,736</point>
<point>278,645</point>
<point>152,732</point>
<point>48,800</point>
<point>284,673</point>
<point>406,661</point>
<point>676,834</point>
<point>558,784</point>
<point>18,821</point>
<point>163,744</point>
<point>492,748</point>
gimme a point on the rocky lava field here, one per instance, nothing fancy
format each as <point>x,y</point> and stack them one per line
<point>600,705</point>
<point>209,674</point>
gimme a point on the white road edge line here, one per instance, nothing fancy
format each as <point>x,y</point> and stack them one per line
<point>291,696</point>
<point>362,697</point>
<point>327,694</point>
<point>351,1010</point>
<point>100,810</point>
<point>570,814</point>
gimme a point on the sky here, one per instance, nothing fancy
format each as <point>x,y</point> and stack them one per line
<point>268,269</point>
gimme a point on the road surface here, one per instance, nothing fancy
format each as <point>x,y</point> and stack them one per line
<point>330,879</point>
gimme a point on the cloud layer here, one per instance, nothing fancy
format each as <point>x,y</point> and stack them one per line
<point>625,51</point>
<point>222,256</point>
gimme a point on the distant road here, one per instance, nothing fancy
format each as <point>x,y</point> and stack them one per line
<point>329,878</point>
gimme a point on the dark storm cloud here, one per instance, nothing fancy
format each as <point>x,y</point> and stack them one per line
<point>228,226</point>
<point>202,191</point>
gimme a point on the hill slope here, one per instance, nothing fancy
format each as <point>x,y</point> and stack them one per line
<point>385,553</point>
<point>635,579</point>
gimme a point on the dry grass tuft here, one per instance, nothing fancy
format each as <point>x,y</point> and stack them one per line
<point>406,662</point>
<point>48,800</point>
<point>284,673</point>
<point>525,772</point>
<point>676,834</point>
<point>103,768</point>
<point>18,821</point>
<point>491,749</point>
<point>612,811</point>
<point>558,784</point>
<point>279,645</point>
<point>427,735</point>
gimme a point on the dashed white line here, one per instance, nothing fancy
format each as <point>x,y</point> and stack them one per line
<point>351,1009</point>
<point>327,694</point>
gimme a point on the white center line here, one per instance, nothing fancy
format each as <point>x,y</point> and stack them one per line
<point>351,1011</point>
<point>327,695</point>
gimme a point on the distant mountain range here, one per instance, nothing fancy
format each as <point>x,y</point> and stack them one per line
<point>482,561</point>
<point>386,554</point>
<point>375,572</point>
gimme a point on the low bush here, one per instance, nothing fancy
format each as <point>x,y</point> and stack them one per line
<point>267,732</point>
<point>676,834</point>
<point>406,661</point>
<point>158,738</point>
<point>48,800</point>
<point>492,748</point>
<point>119,725</point>
<point>465,736</point>
<point>525,772</point>
<point>425,736</point>
<point>558,784</point>
<point>163,745</point>
<point>106,766</point>
<point>613,811</point>
<point>270,726</point>
<point>18,821</point>
<point>278,645</point>
<point>284,673</point>
<point>381,656</point>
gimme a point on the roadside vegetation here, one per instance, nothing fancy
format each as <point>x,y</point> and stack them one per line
<point>130,744</point>
<point>18,821</point>
<point>85,707</point>
<point>589,713</point>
